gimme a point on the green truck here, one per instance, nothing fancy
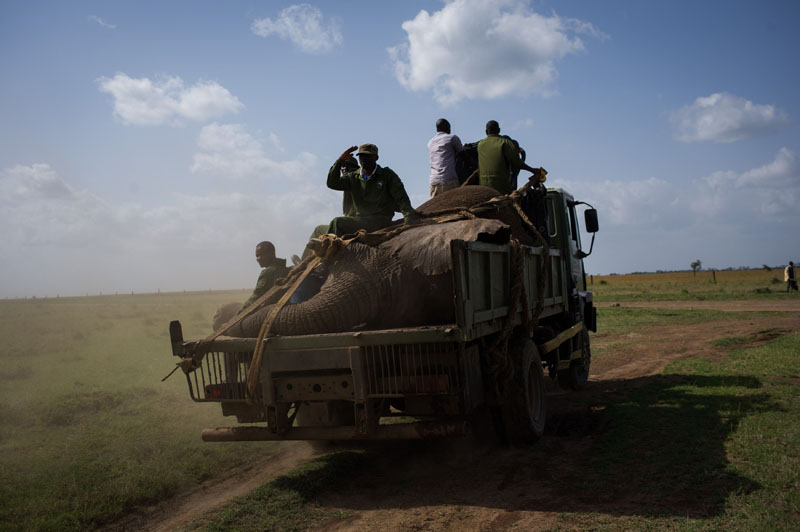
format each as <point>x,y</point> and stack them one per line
<point>486,369</point>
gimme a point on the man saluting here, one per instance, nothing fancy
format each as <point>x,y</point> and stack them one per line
<point>376,192</point>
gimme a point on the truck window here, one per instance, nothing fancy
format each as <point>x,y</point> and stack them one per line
<point>553,219</point>
<point>573,228</point>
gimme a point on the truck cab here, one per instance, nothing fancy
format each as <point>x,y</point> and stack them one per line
<point>565,234</point>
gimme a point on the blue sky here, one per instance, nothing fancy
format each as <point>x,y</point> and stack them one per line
<point>150,145</point>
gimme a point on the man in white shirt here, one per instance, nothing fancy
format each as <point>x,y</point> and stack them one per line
<point>442,149</point>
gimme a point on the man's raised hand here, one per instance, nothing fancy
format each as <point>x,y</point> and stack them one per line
<point>347,153</point>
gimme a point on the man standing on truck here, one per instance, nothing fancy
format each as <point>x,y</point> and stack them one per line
<point>497,157</point>
<point>377,193</point>
<point>442,150</point>
<point>273,269</point>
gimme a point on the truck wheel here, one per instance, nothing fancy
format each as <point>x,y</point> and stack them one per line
<point>524,408</point>
<point>578,373</point>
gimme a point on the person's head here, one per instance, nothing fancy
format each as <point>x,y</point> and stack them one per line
<point>791,263</point>
<point>265,253</point>
<point>492,127</point>
<point>349,165</point>
<point>368,157</point>
<point>443,125</point>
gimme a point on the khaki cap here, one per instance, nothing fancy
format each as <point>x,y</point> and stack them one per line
<point>368,149</point>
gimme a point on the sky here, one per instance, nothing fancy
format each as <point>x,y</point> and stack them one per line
<point>148,146</point>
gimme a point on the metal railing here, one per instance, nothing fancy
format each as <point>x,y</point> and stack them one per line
<point>411,369</point>
<point>221,377</point>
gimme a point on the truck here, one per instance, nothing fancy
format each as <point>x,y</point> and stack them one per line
<point>521,312</point>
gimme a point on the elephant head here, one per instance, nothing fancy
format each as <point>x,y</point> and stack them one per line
<point>404,281</point>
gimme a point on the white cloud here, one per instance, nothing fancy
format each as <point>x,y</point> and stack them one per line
<point>728,218</point>
<point>484,49</point>
<point>726,196</point>
<point>101,22</point>
<point>723,117</point>
<point>229,150</point>
<point>59,239</point>
<point>304,25</point>
<point>147,102</point>
<point>770,191</point>
<point>40,208</point>
<point>649,202</point>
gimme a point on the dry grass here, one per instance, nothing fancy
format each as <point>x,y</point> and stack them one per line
<point>675,286</point>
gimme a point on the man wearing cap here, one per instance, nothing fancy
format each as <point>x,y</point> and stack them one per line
<point>442,150</point>
<point>377,193</point>
<point>497,157</point>
<point>348,209</point>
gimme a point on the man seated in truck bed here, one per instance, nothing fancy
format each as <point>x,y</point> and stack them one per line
<point>377,193</point>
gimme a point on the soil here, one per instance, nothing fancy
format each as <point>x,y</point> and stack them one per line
<point>465,484</point>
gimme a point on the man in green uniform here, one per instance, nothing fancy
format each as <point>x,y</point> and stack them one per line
<point>497,157</point>
<point>273,269</point>
<point>349,165</point>
<point>376,193</point>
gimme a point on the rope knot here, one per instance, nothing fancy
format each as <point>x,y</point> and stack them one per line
<point>326,247</point>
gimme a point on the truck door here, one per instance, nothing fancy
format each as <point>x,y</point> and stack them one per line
<point>576,261</point>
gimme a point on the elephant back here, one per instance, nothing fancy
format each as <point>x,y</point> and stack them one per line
<point>458,198</point>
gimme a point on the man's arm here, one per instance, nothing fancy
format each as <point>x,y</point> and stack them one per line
<point>456,142</point>
<point>398,192</point>
<point>335,180</point>
<point>511,154</point>
<point>264,283</point>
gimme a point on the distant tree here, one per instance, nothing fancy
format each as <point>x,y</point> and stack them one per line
<point>765,267</point>
<point>696,265</point>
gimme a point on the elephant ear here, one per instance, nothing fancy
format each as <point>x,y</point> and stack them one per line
<point>427,247</point>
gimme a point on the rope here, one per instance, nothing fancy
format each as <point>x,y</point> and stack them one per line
<point>324,249</point>
<point>328,246</point>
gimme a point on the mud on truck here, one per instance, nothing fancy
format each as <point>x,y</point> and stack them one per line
<point>413,331</point>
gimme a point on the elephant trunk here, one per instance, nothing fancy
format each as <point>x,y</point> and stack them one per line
<point>353,293</point>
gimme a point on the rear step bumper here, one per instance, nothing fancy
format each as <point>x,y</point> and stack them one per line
<point>399,431</point>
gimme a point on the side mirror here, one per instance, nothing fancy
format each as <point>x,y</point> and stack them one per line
<point>590,219</point>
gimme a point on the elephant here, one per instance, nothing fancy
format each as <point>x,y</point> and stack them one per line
<point>403,281</point>
<point>224,313</point>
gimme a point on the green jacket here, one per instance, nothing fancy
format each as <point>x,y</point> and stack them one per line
<point>496,157</point>
<point>382,195</point>
<point>266,279</point>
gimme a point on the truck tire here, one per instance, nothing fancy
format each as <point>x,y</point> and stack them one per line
<point>524,404</point>
<point>578,373</point>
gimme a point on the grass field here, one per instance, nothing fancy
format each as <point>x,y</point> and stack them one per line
<point>706,446</point>
<point>679,286</point>
<point>87,430</point>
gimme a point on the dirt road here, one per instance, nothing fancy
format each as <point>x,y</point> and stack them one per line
<point>463,485</point>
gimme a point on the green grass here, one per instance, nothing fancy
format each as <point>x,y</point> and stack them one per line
<point>718,442</point>
<point>685,286</point>
<point>705,446</point>
<point>87,430</point>
<point>288,502</point>
<point>616,320</point>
